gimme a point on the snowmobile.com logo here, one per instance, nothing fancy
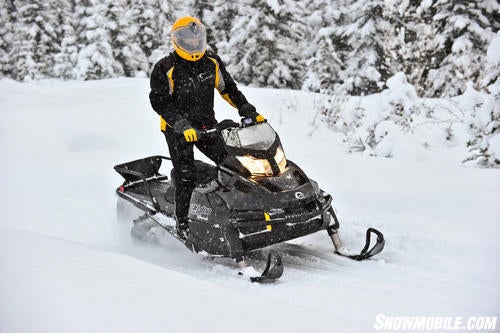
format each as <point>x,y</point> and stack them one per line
<point>394,323</point>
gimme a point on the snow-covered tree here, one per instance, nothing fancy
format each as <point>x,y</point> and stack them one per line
<point>312,44</point>
<point>66,56</point>
<point>368,32</point>
<point>95,59</point>
<point>465,29</point>
<point>418,40</point>
<point>144,15</point>
<point>165,15</point>
<point>220,21</point>
<point>203,10</point>
<point>6,34</point>
<point>124,32</point>
<point>324,50</point>
<point>484,127</point>
<point>34,40</point>
<point>263,43</point>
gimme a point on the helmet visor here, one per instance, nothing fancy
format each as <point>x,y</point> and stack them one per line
<point>191,38</point>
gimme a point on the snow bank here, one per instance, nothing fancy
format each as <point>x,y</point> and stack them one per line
<point>397,123</point>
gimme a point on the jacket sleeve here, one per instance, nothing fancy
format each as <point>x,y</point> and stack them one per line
<point>160,95</point>
<point>227,87</point>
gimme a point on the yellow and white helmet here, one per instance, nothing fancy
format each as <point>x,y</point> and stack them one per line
<point>189,38</point>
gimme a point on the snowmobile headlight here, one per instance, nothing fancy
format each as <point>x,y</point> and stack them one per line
<point>256,166</point>
<point>280,159</point>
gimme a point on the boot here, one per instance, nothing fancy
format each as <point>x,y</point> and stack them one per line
<point>182,229</point>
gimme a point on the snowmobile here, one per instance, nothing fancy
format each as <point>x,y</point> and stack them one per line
<point>255,198</point>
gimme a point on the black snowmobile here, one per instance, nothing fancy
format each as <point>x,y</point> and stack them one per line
<point>254,199</point>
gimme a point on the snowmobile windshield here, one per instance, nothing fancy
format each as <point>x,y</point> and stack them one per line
<point>257,148</point>
<point>257,137</point>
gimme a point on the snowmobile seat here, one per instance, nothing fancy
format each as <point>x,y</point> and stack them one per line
<point>204,173</point>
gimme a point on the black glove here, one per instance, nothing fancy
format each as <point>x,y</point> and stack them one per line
<point>247,110</point>
<point>227,123</point>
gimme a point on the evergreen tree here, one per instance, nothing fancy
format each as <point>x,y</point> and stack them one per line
<point>263,44</point>
<point>325,49</point>
<point>465,31</point>
<point>221,22</point>
<point>95,59</point>
<point>6,35</point>
<point>165,14</point>
<point>66,57</point>
<point>491,76</point>
<point>291,32</point>
<point>34,41</point>
<point>247,58</point>
<point>203,10</point>
<point>484,126</point>
<point>25,56</point>
<point>124,41</point>
<point>367,31</point>
<point>419,41</point>
<point>144,14</point>
<point>313,44</point>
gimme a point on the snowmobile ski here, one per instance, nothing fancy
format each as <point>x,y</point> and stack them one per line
<point>366,253</point>
<point>273,270</point>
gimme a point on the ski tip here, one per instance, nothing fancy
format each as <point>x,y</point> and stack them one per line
<point>272,272</point>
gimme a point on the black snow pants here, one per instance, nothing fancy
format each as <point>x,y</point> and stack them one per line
<point>182,155</point>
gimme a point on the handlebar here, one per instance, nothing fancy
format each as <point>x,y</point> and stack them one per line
<point>228,123</point>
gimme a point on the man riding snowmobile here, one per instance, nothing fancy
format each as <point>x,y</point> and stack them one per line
<point>182,93</point>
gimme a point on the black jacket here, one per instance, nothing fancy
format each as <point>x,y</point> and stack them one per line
<point>184,90</point>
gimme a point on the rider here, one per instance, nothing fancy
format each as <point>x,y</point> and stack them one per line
<point>182,93</point>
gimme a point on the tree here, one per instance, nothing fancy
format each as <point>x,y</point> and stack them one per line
<point>263,44</point>
<point>66,56</point>
<point>123,30</point>
<point>369,34</point>
<point>464,30</point>
<point>325,49</point>
<point>484,126</point>
<point>144,14</point>
<point>220,21</point>
<point>34,41</point>
<point>96,59</point>
<point>419,43</point>
<point>165,16</point>
<point>203,10</point>
<point>6,36</point>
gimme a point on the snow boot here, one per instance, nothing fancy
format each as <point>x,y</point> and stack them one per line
<point>182,230</point>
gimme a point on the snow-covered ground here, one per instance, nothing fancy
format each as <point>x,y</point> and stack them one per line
<point>68,265</point>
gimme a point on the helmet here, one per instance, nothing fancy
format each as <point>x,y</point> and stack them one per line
<point>189,38</point>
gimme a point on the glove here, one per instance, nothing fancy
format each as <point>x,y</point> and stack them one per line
<point>190,135</point>
<point>249,111</point>
<point>184,127</point>
<point>259,118</point>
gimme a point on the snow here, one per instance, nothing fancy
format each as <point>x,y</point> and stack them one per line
<point>493,52</point>
<point>74,288</point>
<point>67,264</point>
<point>495,144</point>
